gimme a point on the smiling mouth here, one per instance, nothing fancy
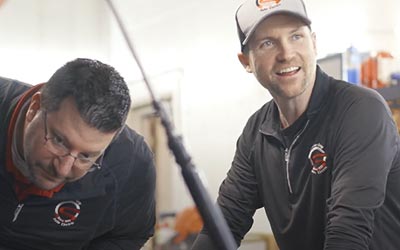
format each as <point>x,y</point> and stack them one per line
<point>288,71</point>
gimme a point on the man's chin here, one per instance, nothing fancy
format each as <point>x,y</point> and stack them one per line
<point>43,180</point>
<point>45,184</point>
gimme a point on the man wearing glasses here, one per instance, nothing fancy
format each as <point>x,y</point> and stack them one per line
<point>72,175</point>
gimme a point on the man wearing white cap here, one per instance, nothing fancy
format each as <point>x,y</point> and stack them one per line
<point>321,158</point>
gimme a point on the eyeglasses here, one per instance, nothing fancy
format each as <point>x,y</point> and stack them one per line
<point>56,146</point>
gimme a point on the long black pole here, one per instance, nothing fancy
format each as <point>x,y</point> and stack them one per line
<point>209,211</point>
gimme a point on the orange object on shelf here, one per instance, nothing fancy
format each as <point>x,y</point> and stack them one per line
<point>369,72</point>
<point>375,69</point>
<point>187,222</point>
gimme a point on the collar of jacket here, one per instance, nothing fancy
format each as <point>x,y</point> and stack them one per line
<point>271,124</point>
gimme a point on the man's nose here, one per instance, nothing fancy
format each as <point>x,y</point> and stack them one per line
<point>65,165</point>
<point>286,52</point>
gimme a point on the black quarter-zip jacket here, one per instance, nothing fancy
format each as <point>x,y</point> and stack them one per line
<point>336,186</point>
<point>109,209</point>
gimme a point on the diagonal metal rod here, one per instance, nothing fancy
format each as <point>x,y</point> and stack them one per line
<point>209,211</point>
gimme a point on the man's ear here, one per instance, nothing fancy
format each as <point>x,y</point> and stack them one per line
<point>34,106</point>
<point>244,60</point>
<point>314,40</point>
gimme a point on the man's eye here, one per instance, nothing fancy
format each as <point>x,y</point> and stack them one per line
<point>296,37</point>
<point>57,140</point>
<point>268,43</point>
<point>84,157</point>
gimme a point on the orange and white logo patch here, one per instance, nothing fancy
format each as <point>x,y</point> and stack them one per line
<point>267,4</point>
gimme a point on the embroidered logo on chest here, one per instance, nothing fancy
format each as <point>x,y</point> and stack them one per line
<point>66,213</point>
<point>317,157</point>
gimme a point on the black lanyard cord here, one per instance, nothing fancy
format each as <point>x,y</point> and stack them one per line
<point>212,216</point>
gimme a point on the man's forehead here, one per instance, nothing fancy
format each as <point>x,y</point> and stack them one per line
<point>276,23</point>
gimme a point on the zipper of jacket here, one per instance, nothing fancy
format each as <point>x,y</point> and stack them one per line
<point>17,211</point>
<point>287,157</point>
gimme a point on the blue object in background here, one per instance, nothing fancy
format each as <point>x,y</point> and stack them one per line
<point>353,65</point>
<point>353,76</point>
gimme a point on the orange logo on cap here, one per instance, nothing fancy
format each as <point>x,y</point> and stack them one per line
<point>267,1</point>
<point>264,4</point>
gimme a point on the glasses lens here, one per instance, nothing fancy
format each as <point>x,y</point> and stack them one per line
<point>55,148</point>
<point>82,163</point>
<point>88,164</point>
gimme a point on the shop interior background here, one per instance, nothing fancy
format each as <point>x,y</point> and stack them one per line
<point>189,51</point>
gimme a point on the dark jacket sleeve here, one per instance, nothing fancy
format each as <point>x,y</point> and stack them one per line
<point>366,145</point>
<point>135,203</point>
<point>238,195</point>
